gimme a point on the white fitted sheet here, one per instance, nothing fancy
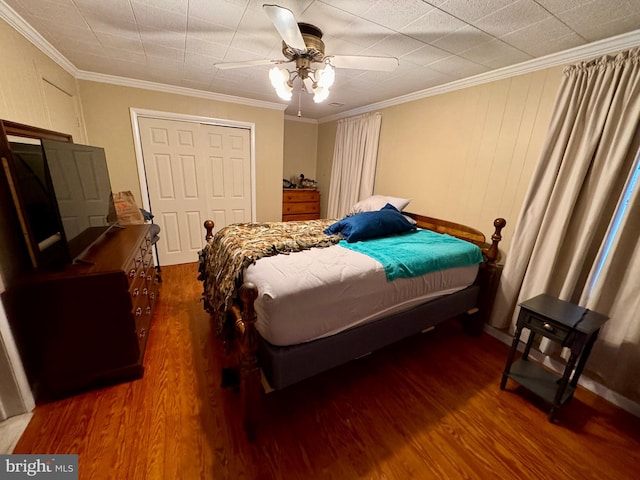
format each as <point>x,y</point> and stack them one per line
<point>319,292</point>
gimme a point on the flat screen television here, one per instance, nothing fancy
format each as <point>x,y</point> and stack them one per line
<point>65,194</point>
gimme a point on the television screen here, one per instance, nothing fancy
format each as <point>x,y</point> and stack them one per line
<point>80,180</point>
<point>36,192</point>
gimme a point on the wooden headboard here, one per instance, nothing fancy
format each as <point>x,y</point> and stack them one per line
<point>464,232</point>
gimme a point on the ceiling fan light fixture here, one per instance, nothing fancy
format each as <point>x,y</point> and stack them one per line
<point>326,76</point>
<point>278,77</point>
<point>320,94</point>
<point>280,81</point>
<point>285,91</point>
<point>302,44</point>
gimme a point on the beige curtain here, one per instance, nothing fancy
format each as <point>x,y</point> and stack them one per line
<point>353,169</point>
<point>573,239</point>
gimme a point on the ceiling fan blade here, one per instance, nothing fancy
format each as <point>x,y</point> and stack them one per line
<point>382,64</point>
<point>250,63</point>
<point>286,24</point>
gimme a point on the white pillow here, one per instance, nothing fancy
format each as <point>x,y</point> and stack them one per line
<point>376,202</point>
<point>410,220</point>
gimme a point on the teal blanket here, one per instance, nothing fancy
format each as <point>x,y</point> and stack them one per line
<point>418,252</point>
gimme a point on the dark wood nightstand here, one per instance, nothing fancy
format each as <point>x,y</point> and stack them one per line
<point>562,322</point>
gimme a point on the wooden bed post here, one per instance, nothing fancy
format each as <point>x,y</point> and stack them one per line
<point>492,253</point>
<point>488,278</point>
<point>248,340</point>
<point>208,226</point>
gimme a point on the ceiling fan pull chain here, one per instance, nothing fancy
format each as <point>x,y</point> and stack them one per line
<point>299,102</point>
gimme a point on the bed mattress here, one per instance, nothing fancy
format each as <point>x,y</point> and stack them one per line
<point>304,296</point>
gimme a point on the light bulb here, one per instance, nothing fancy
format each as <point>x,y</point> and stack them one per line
<point>285,91</point>
<point>326,76</point>
<point>280,81</point>
<point>278,76</point>
<point>320,94</point>
<point>275,77</point>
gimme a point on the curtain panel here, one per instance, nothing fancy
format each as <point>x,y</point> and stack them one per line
<point>355,156</point>
<point>566,242</point>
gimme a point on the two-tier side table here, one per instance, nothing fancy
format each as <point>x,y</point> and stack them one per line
<point>564,323</point>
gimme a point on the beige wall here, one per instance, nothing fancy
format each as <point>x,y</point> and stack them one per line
<point>300,149</point>
<point>326,142</point>
<point>32,87</point>
<point>108,123</point>
<point>465,156</point>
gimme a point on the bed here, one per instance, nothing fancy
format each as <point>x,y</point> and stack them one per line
<point>290,301</point>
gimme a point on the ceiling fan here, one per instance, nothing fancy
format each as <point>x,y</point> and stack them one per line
<point>302,43</point>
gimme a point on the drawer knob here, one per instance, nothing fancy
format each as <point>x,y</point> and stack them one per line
<point>138,311</point>
<point>136,292</point>
<point>142,333</point>
<point>548,327</point>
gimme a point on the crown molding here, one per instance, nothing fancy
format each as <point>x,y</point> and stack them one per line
<point>10,16</point>
<point>591,50</point>
<point>293,118</point>
<point>162,87</point>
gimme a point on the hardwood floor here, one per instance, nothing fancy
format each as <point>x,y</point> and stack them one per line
<point>429,407</point>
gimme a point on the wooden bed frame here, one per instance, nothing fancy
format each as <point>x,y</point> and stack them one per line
<point>248,343</point>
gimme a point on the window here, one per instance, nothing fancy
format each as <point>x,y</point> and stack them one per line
<point>621,211</point>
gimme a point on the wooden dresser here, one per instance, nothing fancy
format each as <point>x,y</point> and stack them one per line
<point>87,324</point>
<point>300,204</point>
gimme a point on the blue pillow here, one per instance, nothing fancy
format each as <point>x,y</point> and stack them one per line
<point>362,226</point>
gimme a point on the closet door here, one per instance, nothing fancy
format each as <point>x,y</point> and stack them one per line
<point>194,172</point>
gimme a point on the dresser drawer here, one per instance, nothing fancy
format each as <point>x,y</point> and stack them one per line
<point>303,207</point>
<point>142,311</point>
<point>300,196</point>
<point>137,287</point>
<point>300,217</point>
<point>153,286</point>
<point>138,263</point>
<point>547,328</point>
<point>143,324</point>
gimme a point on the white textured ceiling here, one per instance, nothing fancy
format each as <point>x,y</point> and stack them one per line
<point>177,42</point>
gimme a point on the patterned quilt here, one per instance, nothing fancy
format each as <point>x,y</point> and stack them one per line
<point>235,247</point>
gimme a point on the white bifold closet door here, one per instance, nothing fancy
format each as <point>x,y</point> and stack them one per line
<point>194,172</point>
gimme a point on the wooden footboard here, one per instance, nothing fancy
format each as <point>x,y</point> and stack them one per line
<point>243,315</point>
